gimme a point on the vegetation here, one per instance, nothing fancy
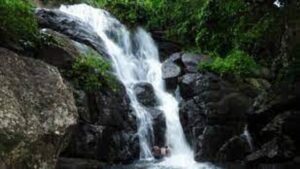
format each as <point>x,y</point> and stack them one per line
<point>207,26</point>
<point>237,62</point>
<point>92,72</point>
<point>17,22</point>
<point>233,30</point>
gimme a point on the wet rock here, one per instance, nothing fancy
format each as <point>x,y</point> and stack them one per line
<point>145,94</point>
<point>188,111</point>
<point>107,132</point>
<point>159,126</point>
<point>36,111</point>
<point>170,70</point>
<point>212,112</point>
<point>71,27</point>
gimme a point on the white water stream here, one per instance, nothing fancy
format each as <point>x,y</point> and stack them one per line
<point>135,59</point>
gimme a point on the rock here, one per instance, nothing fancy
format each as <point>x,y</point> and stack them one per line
<point>159,126</point>
<point>259,84</point>
<point>36,109</point>
<point>145,94</point>
<point>235,149</point>
<point>190,62</point>
<point>77,163</point>
<point>106,132</point>
<point>276,150</point>
<point>284,123</point>
<point>60,52</point>
<point>171,70</point>
<point>189,110</point>
<point>212,139</point>
<point>175,58</point>
<point>212,112</point>
<point>192,84</point>
<point>170,74</point>
<point>188,86</point>
<point>71,27</point>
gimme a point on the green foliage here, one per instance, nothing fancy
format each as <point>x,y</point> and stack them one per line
<point>207,25</point>
<point>17,22</point>
<point>237,62</point>
<point>92,72</point>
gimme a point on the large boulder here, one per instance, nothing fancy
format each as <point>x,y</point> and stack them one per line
<point>57,50</point>
<point>212,112</point>
<point>236,148</point>
<point>190,62</point>
<point>36,109</point>
<point>179,64</point>
<point>171,70</point>
<point>145,94</point>
<point>71,27</point>
<point>159,126</point>
<point>106,132</point>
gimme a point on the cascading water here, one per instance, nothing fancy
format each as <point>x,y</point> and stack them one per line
<point>135,59</point>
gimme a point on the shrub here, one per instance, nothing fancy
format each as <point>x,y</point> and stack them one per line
<point>237,62</point>
<point>92,72</point>
<point>17,21</point>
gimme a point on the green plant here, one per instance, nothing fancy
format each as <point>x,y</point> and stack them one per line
<point>17,22</point>
<point>91,72</point>
<point>237,62</point>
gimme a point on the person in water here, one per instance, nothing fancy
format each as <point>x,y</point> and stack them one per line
<point>160,152</point>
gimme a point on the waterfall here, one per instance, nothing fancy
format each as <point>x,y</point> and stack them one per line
<point>135,59</point>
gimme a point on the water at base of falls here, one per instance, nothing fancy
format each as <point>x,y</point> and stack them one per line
<point>135,60</point>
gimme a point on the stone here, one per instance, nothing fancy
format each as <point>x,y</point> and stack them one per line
<point>145,94</point>
<point>159,126</point>
<point>188,85</point>
<point>190,62</point>
<point>78,163</point>
<point>170,73</point>
<point>60,52</point>
<point>71,27</point>
<point>37,109</point>
<point>235,149</point>
<point>211,112</point>
<point>106,132</point>
<point>170,70</point>
<point>277,149</point>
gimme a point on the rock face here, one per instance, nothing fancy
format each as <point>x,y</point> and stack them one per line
<point>212,110</point>
<point>71,27</point>
<point>275,130</point>
<point>212,113</point>
<point>159,126</point>
<point>36,109</point>
<point>215,111</point>
<point>107,128</point>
